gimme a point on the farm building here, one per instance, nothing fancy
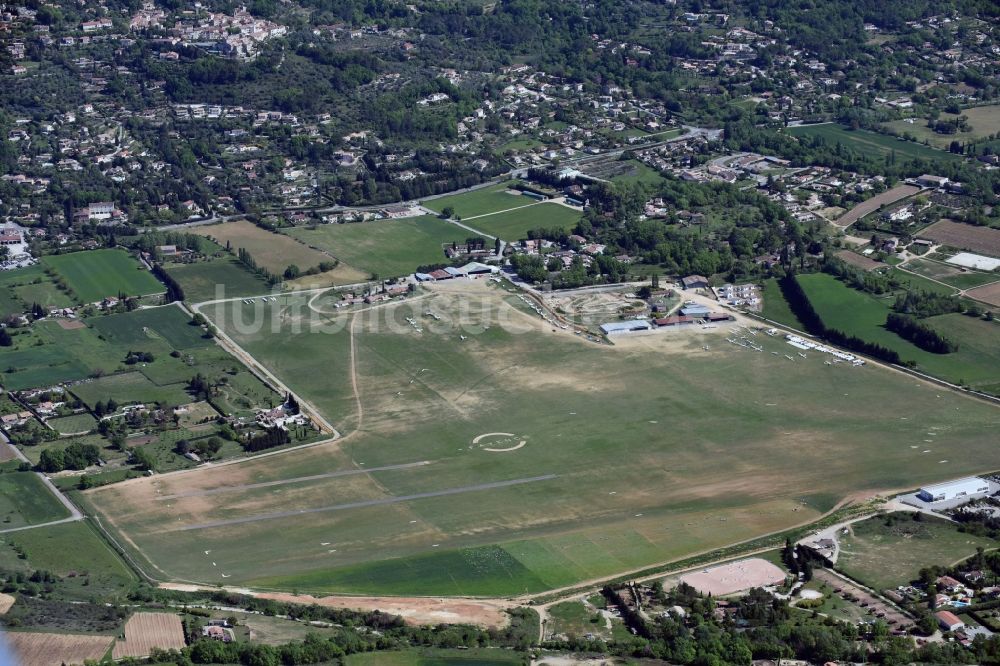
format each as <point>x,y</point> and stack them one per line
<point>477,268</point>
<point>950,490</point>
<point>695,282</point>
<point>932,181</point>
<point>675,320</point>
<point>619,327</point>
<point>696,311</point>
<point>948,621</point>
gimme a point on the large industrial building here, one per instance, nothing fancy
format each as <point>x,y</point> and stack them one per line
<point>956,489</point>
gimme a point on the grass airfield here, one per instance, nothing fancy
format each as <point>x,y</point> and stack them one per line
<point>633,454</point>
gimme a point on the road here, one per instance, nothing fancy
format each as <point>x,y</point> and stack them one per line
<point>369,503</point>
<point>74,513</point>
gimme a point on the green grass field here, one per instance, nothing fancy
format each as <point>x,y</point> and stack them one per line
<point>24,500</point>
<point>513,225</point>
<point>385,247</point>
<point>133,330</point>
<point>977,361</point>
<point>634,454</point>
<point>21,287</point>
<point>885,556</point>
<point>70,425</point>
<point>984,121</point>
<point>97,274</point>
<point>871,144</point>
<point>479,202</point>
<point>73,551</point>
<point>130,387</point>
<point>47,353</point>
<point>216,278</point>
<point>776,307</point>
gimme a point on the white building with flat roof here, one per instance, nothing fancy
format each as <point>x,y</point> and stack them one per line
<point>942,492</point>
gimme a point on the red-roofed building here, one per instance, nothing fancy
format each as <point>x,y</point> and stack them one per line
<point>675,320</point>
<point>948,621</point>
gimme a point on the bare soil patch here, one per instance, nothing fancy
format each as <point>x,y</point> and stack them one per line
<point>36,649</point>
<point>7,452</point>
<point>855,259</point>
<point>989,293</point>
<point>71,324</point>
<point>145,631</point>
<point>876,202</point>
<point>964,236</point>
<point>414,610</point>
<point>735,577</point>
<point>6,601</point>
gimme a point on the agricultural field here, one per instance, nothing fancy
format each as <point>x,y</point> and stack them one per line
<point>884,553</point>
<point>42,649</point>
<point>49,352</point>
<point>146,631</point>
<point>984,121</point>
<point>871,144</point>
<point>871,205</point>
<point>954,276</point>
<point>607,467</point>
<point>964,236</point>
<point>24,500</point>
<point>270,250</point>
<point>482,201</point>
<point>987,294</point>
<point>385,247</point>
<point>977,361</point>
<point>513,225</point>
<point>97,274</point>
<point>637,172</point>
<point>858,260</point>
<point>224,277</point>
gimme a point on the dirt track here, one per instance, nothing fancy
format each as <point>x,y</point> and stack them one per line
<point>414,610</point>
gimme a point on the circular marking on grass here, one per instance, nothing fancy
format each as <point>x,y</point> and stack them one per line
<point>499,440</point>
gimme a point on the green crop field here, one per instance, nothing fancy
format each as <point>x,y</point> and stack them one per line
<point>133,330</point>
<point>634,454</point>
<point>871,144</point>
<point>386,247</point>
<point>24,500</point>
<point>97,274</point>
<point>480,202</point>
<point>977,361</point>
<point>884,554</point>
<point>217,278</point>
<point>48,354</point>
<point>513,225</point>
